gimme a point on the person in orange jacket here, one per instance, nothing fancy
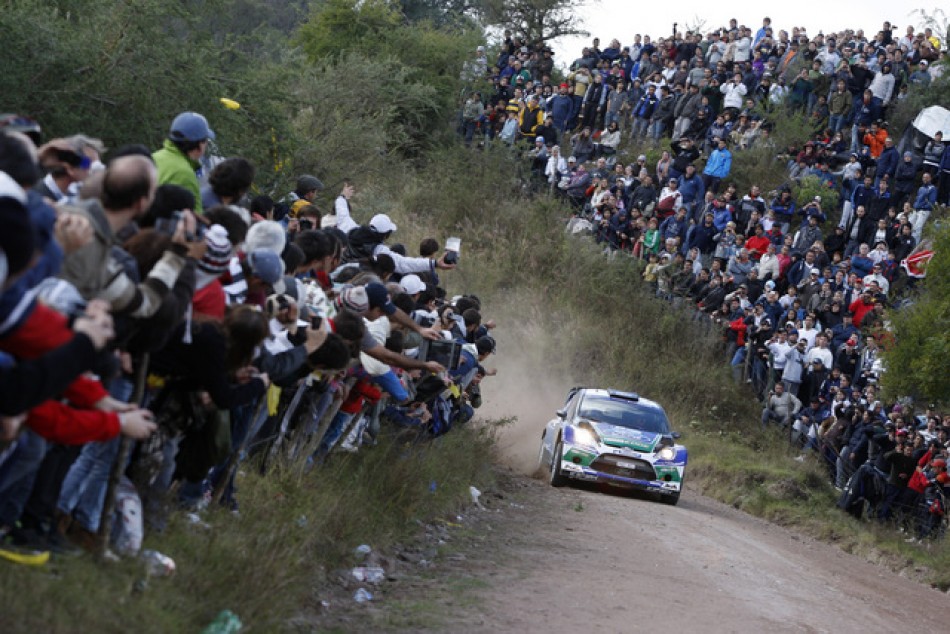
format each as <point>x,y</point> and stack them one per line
<point>874,138</point>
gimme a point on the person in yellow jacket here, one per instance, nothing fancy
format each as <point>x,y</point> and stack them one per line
<point>177,161</point>
<point>530,118</point>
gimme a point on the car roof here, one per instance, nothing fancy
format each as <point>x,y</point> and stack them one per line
<point>619,395</point>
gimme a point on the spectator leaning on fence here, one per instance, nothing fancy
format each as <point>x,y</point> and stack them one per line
<point>222,315</point>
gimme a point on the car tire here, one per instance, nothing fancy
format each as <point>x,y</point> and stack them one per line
<point>674,499</point>
<point>554,474</point>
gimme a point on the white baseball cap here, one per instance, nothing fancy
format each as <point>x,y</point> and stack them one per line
<point>381,223</point>
<point>412,284</point>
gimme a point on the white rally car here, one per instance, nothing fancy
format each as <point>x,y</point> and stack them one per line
<point>616,438</point>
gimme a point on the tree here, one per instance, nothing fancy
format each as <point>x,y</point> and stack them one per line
<point>536,20</point>
<point>442,14</point>
<point>917,361</point>
<point>343,26</point>
<point>121,71</point>
<point>412,99</point>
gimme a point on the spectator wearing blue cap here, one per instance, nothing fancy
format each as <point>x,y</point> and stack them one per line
<point>177,161</point>
<point>253,278</point>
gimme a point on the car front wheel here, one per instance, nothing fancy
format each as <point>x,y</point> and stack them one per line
<point>674,499</point>
<point>556,479</point>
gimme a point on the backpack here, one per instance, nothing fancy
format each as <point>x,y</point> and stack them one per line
<point>441,421</point>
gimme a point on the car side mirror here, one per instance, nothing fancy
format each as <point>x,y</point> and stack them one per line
<point>676,435</point>
<point>561,413</point>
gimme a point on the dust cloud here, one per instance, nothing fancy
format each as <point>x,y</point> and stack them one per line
<point>528,387</point>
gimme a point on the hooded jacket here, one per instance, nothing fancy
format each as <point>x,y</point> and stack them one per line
<point>174,168</point>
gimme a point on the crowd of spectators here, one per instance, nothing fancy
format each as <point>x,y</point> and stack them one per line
<point>799,300</point>
<point>156,316</point>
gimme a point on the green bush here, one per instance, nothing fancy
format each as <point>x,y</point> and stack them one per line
<point>916,362</point>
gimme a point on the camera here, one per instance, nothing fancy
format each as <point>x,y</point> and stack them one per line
<point>452,247</point>
<point>170,224</point>
<point>442,351</point>
<point>306,224</point>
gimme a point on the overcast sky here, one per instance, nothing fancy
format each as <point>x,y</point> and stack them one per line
<point>622,19</point>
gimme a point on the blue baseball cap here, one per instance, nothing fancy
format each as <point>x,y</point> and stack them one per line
<point>190,126</point>
<point>378,296</point>
<point>266,265</point>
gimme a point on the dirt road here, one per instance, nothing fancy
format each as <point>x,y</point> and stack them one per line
<point>585,560</point>
<point>539,559</point>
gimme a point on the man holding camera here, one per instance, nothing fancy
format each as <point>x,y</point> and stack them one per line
<point>127,189</point>
<point>369,240</point>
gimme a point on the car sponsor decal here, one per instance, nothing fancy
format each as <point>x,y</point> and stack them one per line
<point>583,457</point>
<point>626,437</point>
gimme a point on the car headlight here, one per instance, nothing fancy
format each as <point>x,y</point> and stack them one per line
<point>667,453</point>
<point>583,436</point>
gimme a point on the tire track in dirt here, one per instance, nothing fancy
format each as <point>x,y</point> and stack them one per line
<point>576,559</point>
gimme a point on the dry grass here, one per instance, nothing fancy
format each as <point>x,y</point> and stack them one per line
<point>264,564</point>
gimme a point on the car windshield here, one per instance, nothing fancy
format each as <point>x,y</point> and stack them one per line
<point>623,413</point>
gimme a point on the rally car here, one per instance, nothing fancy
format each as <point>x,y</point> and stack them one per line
<point>617,438</point>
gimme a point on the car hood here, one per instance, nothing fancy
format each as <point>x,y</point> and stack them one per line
<point>635,439</point>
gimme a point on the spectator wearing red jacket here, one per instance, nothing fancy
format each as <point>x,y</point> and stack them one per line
<point>99,417</point>
<point>862,306</point>
<point>758,243</point>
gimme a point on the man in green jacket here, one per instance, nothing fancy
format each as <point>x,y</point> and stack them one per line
<point>177,161</point>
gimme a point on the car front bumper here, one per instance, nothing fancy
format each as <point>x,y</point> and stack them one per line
<point>588,474</point>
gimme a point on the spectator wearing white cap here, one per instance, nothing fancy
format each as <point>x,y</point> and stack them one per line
<point>413,285</point>
<point>921,76</point>
<point>267,234</point>
<point>367,241</point>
